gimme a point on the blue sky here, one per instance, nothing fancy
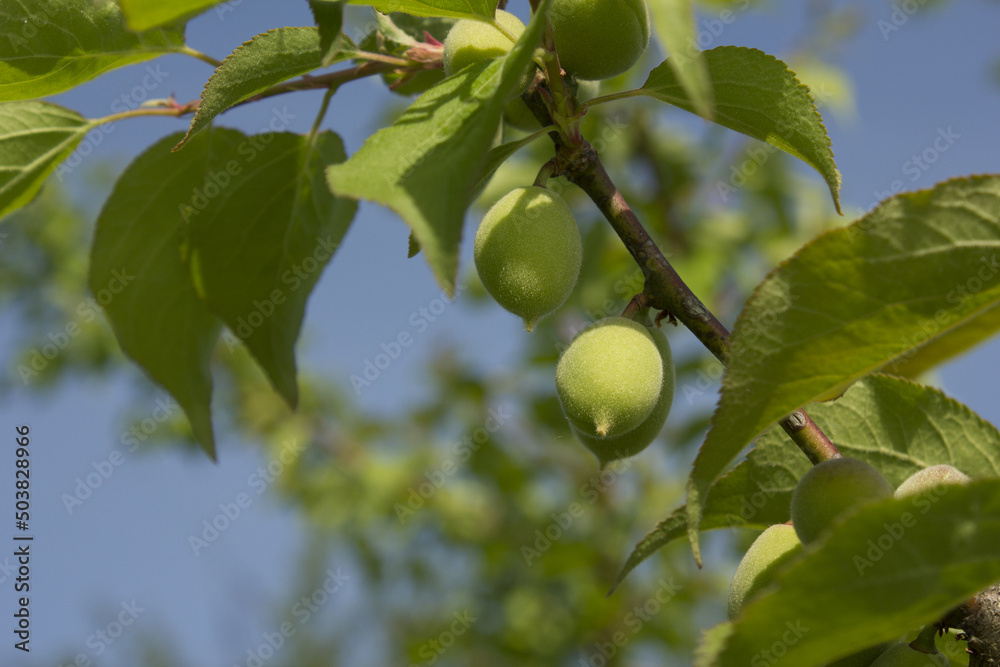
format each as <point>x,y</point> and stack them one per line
<point>930,78</point>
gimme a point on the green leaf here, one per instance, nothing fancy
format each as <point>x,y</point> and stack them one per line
<point>139,274</point>
<point>425,167</point>
<point>497,156</point>
<point>267,59</point>
<point>262,230</point>
<point>329,17</point>
<point>892,423</point>
<point>34,138</point>
<point>890,567</point>
<point>49,47</point>
<point>674,26</point>
<point>917,267</point>
<point>146,14</point>
<point>459,9</point>
<point>958,340</point>
<point>758,95</point>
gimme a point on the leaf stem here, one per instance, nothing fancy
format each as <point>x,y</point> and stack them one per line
<point>664,288</point>
<point>614,96</point>
<point>195,53</point>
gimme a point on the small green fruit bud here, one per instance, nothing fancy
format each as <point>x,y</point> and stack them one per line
<point>928,478</point>
<point>769,553</point>
<point>632,442</point>
<point>528,252</point>
<point>610,378</point>
<point>599,39</point>
<point>830,489</point>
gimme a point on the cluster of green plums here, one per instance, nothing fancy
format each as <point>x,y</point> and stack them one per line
<point>594,39</point>
<point>824,494</point>
<point>615,380</point>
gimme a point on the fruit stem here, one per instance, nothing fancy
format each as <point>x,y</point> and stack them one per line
<point>925,640</point>
<point>664,289</point>
<point>542,179</point>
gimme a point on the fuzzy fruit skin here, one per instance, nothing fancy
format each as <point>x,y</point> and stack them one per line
<point>928,478</point>
<point>528,252</point>
<point>609,378</point>
<point>862,658</point>
<point>631,443</point>
<point>470,41</point>
<point>831,488</point>
<point>599,39</point>
<point>770,552</point>
<point>901,655</point>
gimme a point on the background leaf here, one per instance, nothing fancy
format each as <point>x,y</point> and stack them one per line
<point>853,300</point>
<point>158,318</point>
<point>50,47</point>
<point>329,16</point>
<point>459,9</point>
<point>894,424</point>
<point>146,14</point>
<point>34,138</point>
<point>260,243</point>
<point>758,95</point>
<point>883,571</point>
<point>427,164</point>
<point>265,60</point>
<point>674,26</point>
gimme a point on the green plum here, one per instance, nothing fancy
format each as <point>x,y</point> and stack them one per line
<point>632,442</point>
<point>830,489</point>
<point>528,252</point>
<point>599,39</point>
<point>471,41</point>
<point>610,377</point>
<point>929,478</point>
<point>769,553</point>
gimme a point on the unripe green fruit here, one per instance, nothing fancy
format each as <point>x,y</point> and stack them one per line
<point>471,41</point>
<point>830,489</point>
<point>599,39</point>
<point>517,114</point>
<point>769,553</point>
<point>901,655</point>
<point>528,252</point>
<point>928,478</point>
<point>631,443</point>
<point>610,377</point>
<point>863,658</point>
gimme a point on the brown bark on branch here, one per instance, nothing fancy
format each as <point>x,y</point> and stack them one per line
<point>664,288</point>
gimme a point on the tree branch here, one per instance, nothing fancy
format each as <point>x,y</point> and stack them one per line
<point>664,288</point>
